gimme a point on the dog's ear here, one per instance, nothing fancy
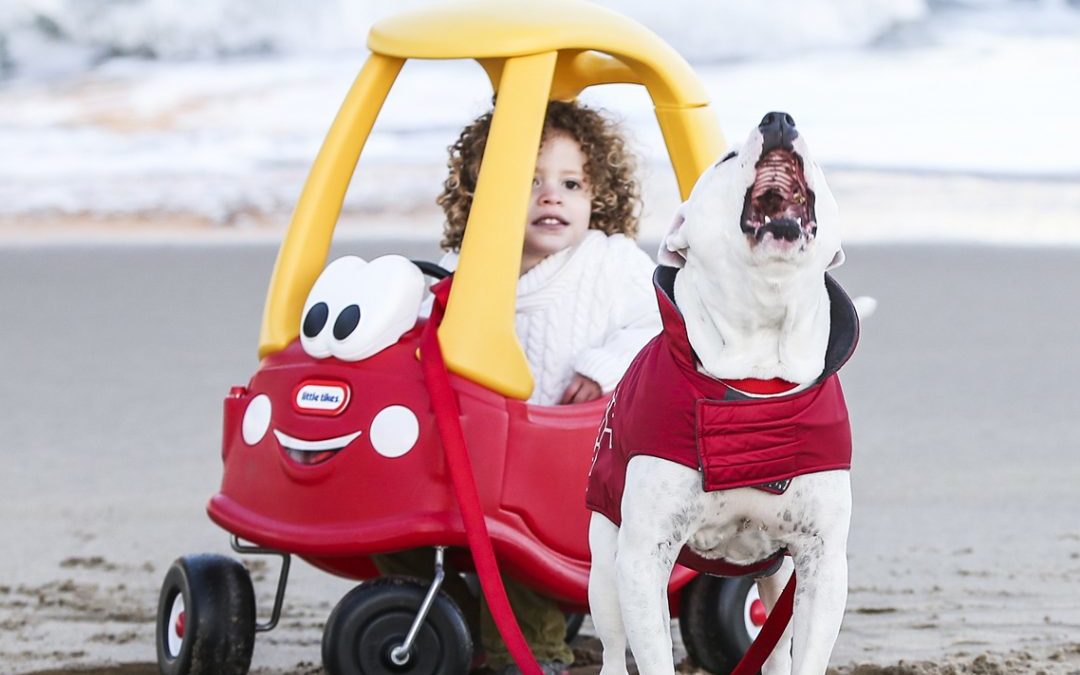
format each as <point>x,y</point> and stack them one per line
<point>674,244</point>
<point>837,260</point>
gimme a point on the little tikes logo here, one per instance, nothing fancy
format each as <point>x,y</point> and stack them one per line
<point>320,397</point>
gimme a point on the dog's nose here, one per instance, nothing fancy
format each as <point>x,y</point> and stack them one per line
<point>778,131</point>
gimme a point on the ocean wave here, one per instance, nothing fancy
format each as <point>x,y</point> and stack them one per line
<point>48,37</point>
<point>45,38</point>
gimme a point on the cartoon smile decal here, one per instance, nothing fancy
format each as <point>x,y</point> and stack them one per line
<point>393,432</point>
<point>309,453</point>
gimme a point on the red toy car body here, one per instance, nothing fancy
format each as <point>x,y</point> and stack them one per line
<point>531,464</point>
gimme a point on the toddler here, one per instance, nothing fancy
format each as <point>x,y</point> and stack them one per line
<point>585,307</point>
<point>585,301</point>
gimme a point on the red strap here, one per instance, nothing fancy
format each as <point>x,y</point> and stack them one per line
<point>448,420</point>
<point>770,634</point>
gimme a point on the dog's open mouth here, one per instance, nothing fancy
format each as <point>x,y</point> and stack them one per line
<point>779,202</point>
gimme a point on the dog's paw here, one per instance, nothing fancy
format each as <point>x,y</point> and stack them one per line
<point>865,306</point>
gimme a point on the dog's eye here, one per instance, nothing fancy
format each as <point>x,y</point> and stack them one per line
<point>727,157</point>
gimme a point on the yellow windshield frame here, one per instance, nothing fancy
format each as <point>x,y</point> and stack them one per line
<point>532,53</point>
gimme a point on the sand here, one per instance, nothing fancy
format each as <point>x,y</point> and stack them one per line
<point>119,344</point>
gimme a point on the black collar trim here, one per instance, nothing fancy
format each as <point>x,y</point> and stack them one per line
<point>844,321</point>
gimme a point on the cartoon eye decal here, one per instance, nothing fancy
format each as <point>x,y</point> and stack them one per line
<point>356,308</point>
<point>315,319</point>
<point>346,322</point>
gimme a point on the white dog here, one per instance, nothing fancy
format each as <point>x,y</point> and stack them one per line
<point>728,440</point>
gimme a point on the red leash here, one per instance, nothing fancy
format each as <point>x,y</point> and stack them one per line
<point>448,420</point>
<point>770,634</point>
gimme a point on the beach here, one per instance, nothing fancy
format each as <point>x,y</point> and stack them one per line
<point>153,153</point>
<point>964,550</point>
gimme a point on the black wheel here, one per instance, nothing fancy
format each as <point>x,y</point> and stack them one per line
<point>205,617</point>
<point>718,619</point>
<point>374,618</point>
<point>573,624</point>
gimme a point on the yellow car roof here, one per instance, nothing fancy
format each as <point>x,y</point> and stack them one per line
<point>487,29</point>
<point>533,52</point>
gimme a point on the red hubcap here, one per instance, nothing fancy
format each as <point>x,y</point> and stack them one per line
<point>757,613</point>
<point>180,624</point>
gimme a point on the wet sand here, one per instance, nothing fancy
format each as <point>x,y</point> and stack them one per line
<point>965,541</point>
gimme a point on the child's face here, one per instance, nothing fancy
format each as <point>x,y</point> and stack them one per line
<point>561,204</point>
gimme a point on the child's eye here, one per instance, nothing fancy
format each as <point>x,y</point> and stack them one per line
<point>572,184</point>
<point>536,182</point>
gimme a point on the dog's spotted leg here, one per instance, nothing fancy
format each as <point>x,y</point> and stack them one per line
<point>819,610</point>
<point>819,551</point>
<point>661,507</point>
<point>604,595</point>
<point>770,588</point>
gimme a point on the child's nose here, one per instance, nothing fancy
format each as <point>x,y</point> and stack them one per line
<point>549,194</point>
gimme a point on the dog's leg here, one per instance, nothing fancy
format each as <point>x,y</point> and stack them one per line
<point>819,609</point>
<point>604,595</point>
<point>821,571</point>
<point>770,588</point>
<point>660,510</point>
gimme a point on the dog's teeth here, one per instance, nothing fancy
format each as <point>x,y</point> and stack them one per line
<point>768,220</point>
<point>799,221</point>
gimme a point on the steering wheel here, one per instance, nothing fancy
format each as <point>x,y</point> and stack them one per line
<point>431,269</point>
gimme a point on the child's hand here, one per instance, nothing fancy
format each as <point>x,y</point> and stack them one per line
<point>581,389</point>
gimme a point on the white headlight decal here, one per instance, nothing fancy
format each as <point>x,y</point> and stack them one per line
<point>394,431</point>
<point>256,419</point>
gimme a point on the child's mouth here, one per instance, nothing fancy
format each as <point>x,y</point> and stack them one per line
<point>550,221</point>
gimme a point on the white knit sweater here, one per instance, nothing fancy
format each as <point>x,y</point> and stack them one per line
<point>587,309</point>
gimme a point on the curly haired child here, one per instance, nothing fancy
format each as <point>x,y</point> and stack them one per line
<point>585,301</point>
<point>585,307</point>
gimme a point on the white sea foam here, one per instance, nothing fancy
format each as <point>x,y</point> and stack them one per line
<point>90,30</point>
<point>218,125</point>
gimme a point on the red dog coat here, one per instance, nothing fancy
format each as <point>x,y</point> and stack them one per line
<point>665,408</point>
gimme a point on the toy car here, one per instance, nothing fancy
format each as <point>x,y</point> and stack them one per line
<point>332,451</point>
